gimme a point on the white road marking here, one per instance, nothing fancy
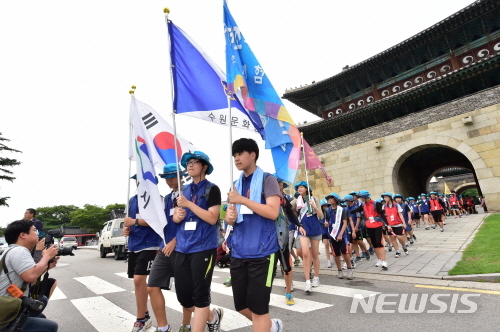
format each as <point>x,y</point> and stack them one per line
<point>98,285</point>
<point>57,295</point>
<point>326,289</point>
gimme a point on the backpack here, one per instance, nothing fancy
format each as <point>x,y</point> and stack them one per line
<point>11,306</point>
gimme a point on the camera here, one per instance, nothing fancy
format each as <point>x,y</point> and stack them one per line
<point>49,241</point>
<point>28,305</point>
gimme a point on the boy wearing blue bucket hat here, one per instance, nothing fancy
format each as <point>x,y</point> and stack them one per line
<point>196,248</point>
<point>255,199</point>
<point>162,270</point>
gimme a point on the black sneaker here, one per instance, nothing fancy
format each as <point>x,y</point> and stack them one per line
<point>215,327</point>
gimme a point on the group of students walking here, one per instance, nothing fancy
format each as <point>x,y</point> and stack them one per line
<point>262,225</point>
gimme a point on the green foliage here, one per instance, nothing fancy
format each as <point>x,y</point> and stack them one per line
<point>93,216</point>
<point>5,174</point>
<point>55,216</point>
<point>482,255</point>
<point>2,231</point>
<point>471,192</point>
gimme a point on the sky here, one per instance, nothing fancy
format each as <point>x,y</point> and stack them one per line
<point>67,66</point>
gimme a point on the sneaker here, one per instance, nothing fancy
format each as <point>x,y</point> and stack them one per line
<point>329,264</point>
<point>398,254</point>
<point>353,263</point>
<point>315,282</point>
<point>278,323</point>
<point>296,262</point>
<point>142,325</point>
<point>407,239</point>
<point>183,328</point>
<point>427,228</point>
<point>406,250</point>
<point>442,229</point>
<point>358,259</point>
<point>411,241</point>
<point>371,250</point>
<point>444,223</point>
<point>363,255</point>
<point>379,263</point>
<point>215,327</point>
<point>433,226</point>
<point>415,238</point>
<point>385,265</point>
<point>344,266</point>
<point>228,282</point>
<point>169,329</point>
<point>367,256</point>
<point>340,274</point>
<point>350,274</point>
<point>308,286</point>
<point>289,299</point>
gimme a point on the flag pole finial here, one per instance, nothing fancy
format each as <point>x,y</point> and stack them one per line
<point>166,10</point>
<point>132,91</point>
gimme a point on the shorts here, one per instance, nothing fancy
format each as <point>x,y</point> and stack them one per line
<point>193,277</point>
<point>349,237</point>
<point>284,258</point>
<point>398,231</point>
<point>325,236</point>
<point>415,216</point>
<point>422,213</point>
<point>454,207</point>
<point>139,263</point>
<point>437,215</point>
<point>162,271</point>
<point>375,235</point>
<point>252,281</point>
<point>297,240</point>
<point>339,247</point>
<point>359,235</point>
<point>364,232</point>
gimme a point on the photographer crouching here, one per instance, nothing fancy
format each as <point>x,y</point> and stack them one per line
<point>19,270</point>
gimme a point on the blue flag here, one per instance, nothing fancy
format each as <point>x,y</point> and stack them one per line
<point>200,88</point>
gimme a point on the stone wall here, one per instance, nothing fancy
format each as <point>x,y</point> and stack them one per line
<point>355,162</point>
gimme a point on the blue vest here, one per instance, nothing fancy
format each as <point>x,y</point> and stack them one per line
<point>204,237</point>
<point>141,237</point>
<point>170,231</point>
<point>405,212</point>
<point>414,208</point>
<point>255,236</point>
<point>325,229</point>
<point>331,216</point>
<point>312,225</point>
<point>424,207</point>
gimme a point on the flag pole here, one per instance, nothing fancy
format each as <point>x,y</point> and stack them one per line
<point>132,97</point>
<point>305,164</point>
<point>166,11</point>
<point>230,142</point>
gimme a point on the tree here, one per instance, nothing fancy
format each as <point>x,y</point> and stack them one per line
<point>91,217</point>
<point>55,216</point>
<point>5,174</point>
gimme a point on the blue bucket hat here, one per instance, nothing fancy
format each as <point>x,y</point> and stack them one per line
<point>197,155</point>
<point>349,198</point>
<point>285,184</point>
<point>386,194</point>
<point>411,198</point>
<point>353,193</point>
<point>335,196</point>
<point>301,183</point>
<point>323,202</point>
<point>170,171</point>
<point>398,195</point>
<point>433,193</point>
<point>364,194</point>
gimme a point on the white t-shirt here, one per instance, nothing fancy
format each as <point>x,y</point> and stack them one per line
<point>18,261</point>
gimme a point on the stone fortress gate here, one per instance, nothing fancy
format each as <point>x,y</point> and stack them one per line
<point>430,103</point>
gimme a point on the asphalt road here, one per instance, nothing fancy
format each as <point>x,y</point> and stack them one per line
<point>94,295</point>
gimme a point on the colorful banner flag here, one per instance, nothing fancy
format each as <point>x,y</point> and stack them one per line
<point>246,77</point>
<point>312,161</point>
<point>158,135</point>
<point>200,88</point>
<point>151,206</point>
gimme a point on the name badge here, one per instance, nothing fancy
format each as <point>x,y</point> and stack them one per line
<point>245,210</point>
<point>372,219</point>
<point>435,208</point>
<point>172,210</point>
<point>190,226</point>
<point>392,218</point>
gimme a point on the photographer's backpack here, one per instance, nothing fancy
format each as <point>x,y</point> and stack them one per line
<point>11,306</point>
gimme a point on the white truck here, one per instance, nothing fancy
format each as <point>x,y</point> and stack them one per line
<point>111,239</point>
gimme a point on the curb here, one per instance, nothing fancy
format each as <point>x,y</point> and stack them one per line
<point>487,277</point>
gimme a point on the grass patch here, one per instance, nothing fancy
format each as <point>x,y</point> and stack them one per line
<point>483,254</point>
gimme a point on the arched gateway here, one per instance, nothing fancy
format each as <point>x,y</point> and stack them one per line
<point>429,103</point>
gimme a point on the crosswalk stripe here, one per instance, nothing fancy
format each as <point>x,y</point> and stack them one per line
<point>104,315</point>
<point>332,290</point>
<point>301,305</point>
<point>98,285</point>
<point>232,319</point>
<point>57,295</point>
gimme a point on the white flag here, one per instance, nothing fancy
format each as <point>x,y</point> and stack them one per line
<point>151,205</point>
<point>157,134</point>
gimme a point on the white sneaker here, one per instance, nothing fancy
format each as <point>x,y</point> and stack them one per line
<point>315,282</point>
<point>379,263</point>
<point>329,264</point>
<point>344,266</point>
<point>384,265</point>
<point>278,323</point>
<point>308,286</point>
